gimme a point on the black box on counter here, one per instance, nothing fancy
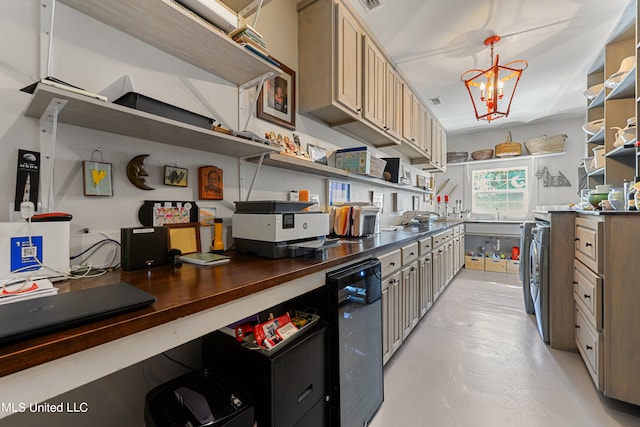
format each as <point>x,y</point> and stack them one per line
<point>400,173</point>
<point>159,108</point>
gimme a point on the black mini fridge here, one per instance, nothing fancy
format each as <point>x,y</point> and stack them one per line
<point>356,342</point>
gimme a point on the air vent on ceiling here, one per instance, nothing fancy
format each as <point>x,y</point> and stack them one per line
<point>435,101</point>
<point>370,5</point>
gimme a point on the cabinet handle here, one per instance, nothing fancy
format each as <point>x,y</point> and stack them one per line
<point>412,253</point>
<point>589,347</point>
<point>577,239</point>
<point>392,264</point>
<point>575,283</point>
<point>577,326</point>
<point>304,393</point>
<point>587,296</point>
<point>413,269</point>
<point>588,244</point>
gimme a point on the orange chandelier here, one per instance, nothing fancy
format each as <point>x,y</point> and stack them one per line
<point>492,90</point>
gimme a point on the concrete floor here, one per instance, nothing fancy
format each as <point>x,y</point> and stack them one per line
<point>476,359</point>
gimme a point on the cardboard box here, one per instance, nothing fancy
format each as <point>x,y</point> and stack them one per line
<point>473,263</point>
<point>495,264</point>
<point>513,266</point>
<point>359,160</point>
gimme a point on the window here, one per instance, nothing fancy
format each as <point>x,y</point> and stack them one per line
<point>502,189</point>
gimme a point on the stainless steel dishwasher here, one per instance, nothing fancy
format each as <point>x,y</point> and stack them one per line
<point>356,342</point>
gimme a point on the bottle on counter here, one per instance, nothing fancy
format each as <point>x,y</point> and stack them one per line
<point>633,195</point>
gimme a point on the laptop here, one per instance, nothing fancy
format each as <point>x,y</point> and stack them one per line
<point>25,319</point>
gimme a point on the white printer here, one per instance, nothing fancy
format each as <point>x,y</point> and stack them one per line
<point>278,229</point>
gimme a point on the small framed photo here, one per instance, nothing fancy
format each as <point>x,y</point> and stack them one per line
<point>421,181</point>
<point>210,183</point>
<point>175,176</point>
<point>317,154</point>
<point>277,99</point>
<point>185,237</point>
<point>97,178</point>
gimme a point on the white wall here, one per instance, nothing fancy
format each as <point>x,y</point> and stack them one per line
<point>488,137</point>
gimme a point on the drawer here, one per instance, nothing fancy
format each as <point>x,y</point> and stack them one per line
<point>588,237</point>
<point>439,238</point>
<point>299,379</point>
<point>424,246</point>
<point>587,291</point>
<point>409,253</point>
<point>390,262</point>
<point>456,231</point>
<point>590,345</point>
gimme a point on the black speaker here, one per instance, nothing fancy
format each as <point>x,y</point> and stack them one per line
<point>143,247</point>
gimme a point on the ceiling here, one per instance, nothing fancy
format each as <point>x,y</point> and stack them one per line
<point>434,42</point>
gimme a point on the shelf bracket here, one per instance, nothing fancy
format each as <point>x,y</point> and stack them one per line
<point>47,12</point>
<point>258,83</point>
<point>255,175</point>
<point>48,133</point>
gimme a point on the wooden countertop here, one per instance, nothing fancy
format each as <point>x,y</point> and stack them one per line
<point>187,290</point>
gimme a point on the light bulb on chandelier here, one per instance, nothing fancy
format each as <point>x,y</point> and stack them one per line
<point>495,85</point>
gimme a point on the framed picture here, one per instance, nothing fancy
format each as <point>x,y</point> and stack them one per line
<point>421,181</point>
<point>97,178</point>
<point>185,237</point>
<point>277,99</point>
<point>210,183</point>
<point>317,154</point>
<point>175,176</point>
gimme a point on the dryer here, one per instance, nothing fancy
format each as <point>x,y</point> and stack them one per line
<point>539,280</point>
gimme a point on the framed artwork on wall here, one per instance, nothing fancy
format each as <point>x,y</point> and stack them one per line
<point>97,178</point>
<point>173,175</point>
<point>210,184</point>
<point>277,99</point>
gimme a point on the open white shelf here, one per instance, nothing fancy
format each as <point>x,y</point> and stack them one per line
<point>87,112</point>
<point>503,159</point>
<point>174,29</point>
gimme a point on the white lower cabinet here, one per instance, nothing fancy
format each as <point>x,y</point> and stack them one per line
<point>391,303</point>
<point>412,278</point>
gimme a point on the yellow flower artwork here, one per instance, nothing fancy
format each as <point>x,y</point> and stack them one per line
<point>98,175</point>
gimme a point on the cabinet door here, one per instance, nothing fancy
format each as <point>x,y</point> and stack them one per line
<point>436,275</point>
<point>387,315</point>
<point>410,302</point>
<point>407,115</point>
<point>436,144</point>
<point>462,249</point>
<point>416,121</point>
<point>425,138</point>
<point>393,108</point>
<point>443,148</point>
<point>456,254</point>
<point>425,291</point>
<point>395,311</point>
<point>375,76</point>
<point>348,73</point>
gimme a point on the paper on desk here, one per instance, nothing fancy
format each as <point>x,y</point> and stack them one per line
<point>21,290</point>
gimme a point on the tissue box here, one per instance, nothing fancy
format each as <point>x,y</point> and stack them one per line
<point>360,161</point>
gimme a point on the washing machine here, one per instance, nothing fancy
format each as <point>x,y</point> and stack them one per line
<point>539,280</point>
<point>525,262</point>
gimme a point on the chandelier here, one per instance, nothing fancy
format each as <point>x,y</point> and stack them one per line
<point>492,90</point>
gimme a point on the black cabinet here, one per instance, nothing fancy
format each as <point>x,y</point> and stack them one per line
<point>290,387</point>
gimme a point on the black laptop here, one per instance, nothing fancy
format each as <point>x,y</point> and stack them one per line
<point>24,319</point>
